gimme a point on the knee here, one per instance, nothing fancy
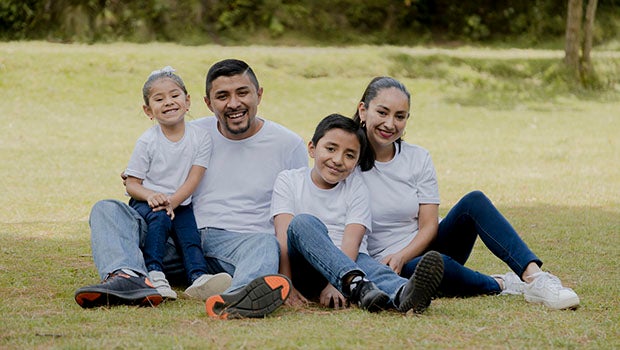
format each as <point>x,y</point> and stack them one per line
<point>475,199</point>
<point>303,223</point>
<point>105,208</point>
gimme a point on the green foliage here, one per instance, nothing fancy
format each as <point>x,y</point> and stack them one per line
<point>280,21</point>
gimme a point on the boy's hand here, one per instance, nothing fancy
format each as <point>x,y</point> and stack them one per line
<point>156,200</point>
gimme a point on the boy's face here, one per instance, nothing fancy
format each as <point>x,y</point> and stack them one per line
<point>234,101</point>
<point>335,157</point>
<point>167,103</point>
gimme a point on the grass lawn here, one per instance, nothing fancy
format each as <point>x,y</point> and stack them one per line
<point>502,121</point>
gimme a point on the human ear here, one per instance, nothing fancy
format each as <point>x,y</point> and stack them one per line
<point>148,111</point>
<point>208,102</point>
<point>311,149</point>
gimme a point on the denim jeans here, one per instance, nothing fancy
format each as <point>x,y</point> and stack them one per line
<point>315,261</point>
<point>475,216</point>
<point>184,233</point>
<point>118,233</point>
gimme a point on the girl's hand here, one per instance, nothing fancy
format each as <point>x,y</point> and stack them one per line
<point>295,299</point>
<point>331,297</point>
<point>157,200</point>
<point>395,262</point>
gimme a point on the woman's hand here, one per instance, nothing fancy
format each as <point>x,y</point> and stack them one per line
<point>395,262</point>
<point>331,297</point>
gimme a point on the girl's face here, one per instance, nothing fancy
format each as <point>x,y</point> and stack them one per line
<point>167,103</point>
<point>386,117</point>
<point>335,157</point>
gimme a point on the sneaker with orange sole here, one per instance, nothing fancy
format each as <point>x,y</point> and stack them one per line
<point>256,300</point>
<point>119,288</point>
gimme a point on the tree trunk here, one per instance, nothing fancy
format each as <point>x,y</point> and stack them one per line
<point>573,29</point>
<point>587,35</point>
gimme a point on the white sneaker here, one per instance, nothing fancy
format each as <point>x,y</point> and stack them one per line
<point>547,289</point>
<point>161,284</point>
<point>208,285</point>
<point>512,284</point>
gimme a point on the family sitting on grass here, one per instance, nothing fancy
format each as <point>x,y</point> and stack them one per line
<point>360,226</point>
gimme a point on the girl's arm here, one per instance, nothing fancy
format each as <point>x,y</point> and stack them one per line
<point>194,177</point>
<point>351,240</point>
<point>428,224</point>
<point>140,193</point>
<point>281,222</point>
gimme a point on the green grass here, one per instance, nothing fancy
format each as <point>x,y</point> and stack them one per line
<point>503,121</point>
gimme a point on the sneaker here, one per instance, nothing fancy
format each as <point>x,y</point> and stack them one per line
<point>208,285</point>
<point>547,289</point>
<point>161,284</point>
<point>417,293</point>
<point>512,284</point>
<point>119,288</point>
<point>367,295</point>
<point>257,299</point>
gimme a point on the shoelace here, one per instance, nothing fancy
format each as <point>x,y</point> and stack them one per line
<point>547,280</point>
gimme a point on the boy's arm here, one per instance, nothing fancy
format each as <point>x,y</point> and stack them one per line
<point>351,240</point>
<point>194,177</point>
<point>281,222</point>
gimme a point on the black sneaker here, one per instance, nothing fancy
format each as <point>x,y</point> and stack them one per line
<point>119,288</point>
<point>422,286</point>
<point>367,295</point>
<point>257,299</point>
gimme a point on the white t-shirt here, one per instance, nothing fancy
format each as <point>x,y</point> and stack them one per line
<point>163,164</point>
<point>236,193</point>
<point>397,188</point>
<point>347,203</point>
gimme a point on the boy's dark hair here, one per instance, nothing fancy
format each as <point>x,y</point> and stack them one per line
<point>228,68</point>
<point>337,121</point>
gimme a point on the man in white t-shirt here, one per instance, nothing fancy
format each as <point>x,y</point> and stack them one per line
<point>231,206</point>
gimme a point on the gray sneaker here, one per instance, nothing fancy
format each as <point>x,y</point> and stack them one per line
<point>208,285</point>
<point>547,289</point>
<point>161,284</point>
<point>512,284</point>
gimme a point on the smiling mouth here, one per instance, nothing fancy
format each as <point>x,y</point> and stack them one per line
<point>235,115</point>
<point>385,134</point>
<point>174,110</point>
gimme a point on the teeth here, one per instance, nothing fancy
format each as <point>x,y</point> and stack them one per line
<point>236,115</point>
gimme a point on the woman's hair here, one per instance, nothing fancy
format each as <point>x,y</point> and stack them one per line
<point>372,90</point>
<point>166,72</point>
<point>228,68</point>
<point>336,121</point>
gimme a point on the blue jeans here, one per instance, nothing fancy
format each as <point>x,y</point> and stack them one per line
<point>118,233</point>
<point>184,233</point>
<point>315,261</point>
<point>475,216</point>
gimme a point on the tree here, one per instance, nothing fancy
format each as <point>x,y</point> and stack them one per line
<point>580,65</point>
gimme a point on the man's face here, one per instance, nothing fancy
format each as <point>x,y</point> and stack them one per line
<point>234,100</point>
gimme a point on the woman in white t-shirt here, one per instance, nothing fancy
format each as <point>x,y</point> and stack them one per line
<point>321,216</point>
<point>404,203</point>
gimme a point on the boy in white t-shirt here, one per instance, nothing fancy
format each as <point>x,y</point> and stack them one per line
<point>321,216</point>
<point>167,164</point>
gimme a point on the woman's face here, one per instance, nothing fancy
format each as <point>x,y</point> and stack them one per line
<point>386,117</point>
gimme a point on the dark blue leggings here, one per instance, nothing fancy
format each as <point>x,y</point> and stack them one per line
<point>475,216</point>
<point>183,231</point>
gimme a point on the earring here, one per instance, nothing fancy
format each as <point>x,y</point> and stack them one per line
<point>363,125</point>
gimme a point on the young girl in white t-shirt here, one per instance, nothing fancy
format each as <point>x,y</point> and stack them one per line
<point>167,164</point>
<point>321,216</point>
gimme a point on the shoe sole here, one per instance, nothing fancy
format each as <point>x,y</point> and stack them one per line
<point>256,300</point>
<point>425,280</point>
<point>96,298</point>
<point>571,303</point>
<point>215,285</point>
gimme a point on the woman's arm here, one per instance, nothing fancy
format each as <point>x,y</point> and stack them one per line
<point>428,223</point>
